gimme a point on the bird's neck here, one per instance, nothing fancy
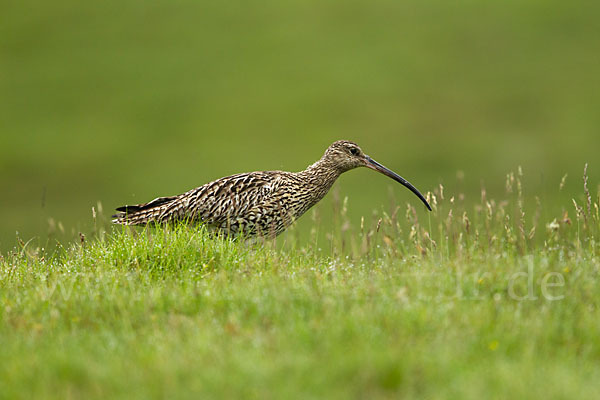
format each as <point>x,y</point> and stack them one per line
<point>323,168</point>
<point>320,176</point>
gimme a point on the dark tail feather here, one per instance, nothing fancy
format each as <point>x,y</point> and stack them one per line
<point>128,209</point>
<point>142,214</point>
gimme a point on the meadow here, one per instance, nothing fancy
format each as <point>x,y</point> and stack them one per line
<point>490,108</point>
<point>483,301</point>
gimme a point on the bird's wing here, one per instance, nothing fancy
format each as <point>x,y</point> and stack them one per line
<point>233,203</point>
<point>219,202</point>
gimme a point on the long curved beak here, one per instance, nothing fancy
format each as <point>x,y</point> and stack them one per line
<point>374,165</point>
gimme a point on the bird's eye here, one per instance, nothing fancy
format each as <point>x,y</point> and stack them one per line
<point>354,151</point>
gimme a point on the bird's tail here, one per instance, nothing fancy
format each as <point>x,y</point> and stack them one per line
<point>155,211</point>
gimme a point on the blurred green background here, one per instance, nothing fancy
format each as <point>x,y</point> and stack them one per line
<point>121,102</point>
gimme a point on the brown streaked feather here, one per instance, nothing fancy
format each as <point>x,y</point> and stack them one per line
<point>219,204</point>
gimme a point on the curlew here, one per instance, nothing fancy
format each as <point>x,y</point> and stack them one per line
<point>262,203</point>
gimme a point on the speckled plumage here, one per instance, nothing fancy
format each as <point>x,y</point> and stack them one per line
<point>262,203</point>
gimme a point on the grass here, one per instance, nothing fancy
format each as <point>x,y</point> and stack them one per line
<point>470,301</point>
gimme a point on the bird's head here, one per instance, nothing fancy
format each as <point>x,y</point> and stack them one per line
<point>345,155</point>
